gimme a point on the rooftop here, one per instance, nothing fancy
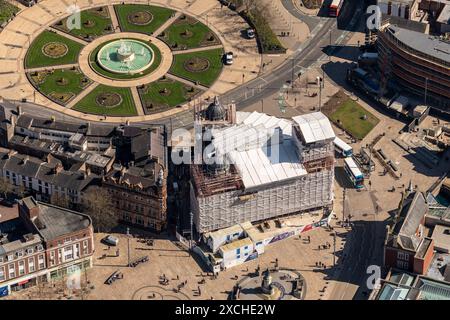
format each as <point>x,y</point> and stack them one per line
<point>404,286</point>
<point>260,147</point>
<point>441,237</point>
<point>426,44</point>
<point>315,127</point>
<point>54,222</point>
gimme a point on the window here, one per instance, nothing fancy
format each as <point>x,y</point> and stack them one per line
<point>238,256</point>
<point>52,258</point>
<point>85,247</point>
<point>402,264</point>
<point>12,271</point>
<point>30,251</point>
<point>402,256</point>
<point>20,254</point>
<point>238,251</point>
<point>41,262</point>
<point>2,273</point>
<point>68,253</point>
<point>21,268</point>
<point>31,265</point>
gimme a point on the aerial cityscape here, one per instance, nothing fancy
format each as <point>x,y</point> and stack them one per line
<point>193,150</point>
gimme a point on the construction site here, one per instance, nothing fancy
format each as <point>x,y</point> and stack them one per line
<point>258,167</point>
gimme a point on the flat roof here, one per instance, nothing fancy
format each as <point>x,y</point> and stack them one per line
<point>224,232</point>
<point>444,17</point>
<point>58,221</point>
<point>441,237</point>
<point>237,244</point>
<point>424,43</point>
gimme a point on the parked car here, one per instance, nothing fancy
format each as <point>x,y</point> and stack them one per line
<point>228,58</point>
<point>110,240</point>
<point>251,33</point>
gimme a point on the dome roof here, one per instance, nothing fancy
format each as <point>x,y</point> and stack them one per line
<point>215,111</point>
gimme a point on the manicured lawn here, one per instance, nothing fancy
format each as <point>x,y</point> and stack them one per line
<point>94,23</point>
<point>89,104</point>
<point>7,11</point>
<point>36,58</point>
<point>166,93</point>
<point>60,85</point>
<point>205,78</point>
<point>188,33</point>
<point>100,70</point>
<point>160,16</point>
<point>349,115</point>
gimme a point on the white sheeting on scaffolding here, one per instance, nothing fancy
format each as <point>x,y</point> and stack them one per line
<point>315,127</point>
<point>261,148</point>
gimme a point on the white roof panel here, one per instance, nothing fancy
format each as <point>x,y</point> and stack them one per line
<point>315,127</point>
<point>244,144</point>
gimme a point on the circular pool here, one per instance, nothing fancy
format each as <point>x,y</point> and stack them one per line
<point>125,56</point>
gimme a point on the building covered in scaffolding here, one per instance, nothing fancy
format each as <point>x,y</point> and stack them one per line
<point>255,167</point>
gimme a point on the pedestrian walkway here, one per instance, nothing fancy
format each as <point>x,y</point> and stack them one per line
<point>83,94</point>
<point>137,101</point>
<point>114,20</point>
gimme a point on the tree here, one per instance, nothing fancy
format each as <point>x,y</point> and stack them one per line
<point>62,201</point>
<point>5,187</point>
<point>97,203</point>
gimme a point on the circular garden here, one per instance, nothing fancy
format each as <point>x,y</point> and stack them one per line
<point>181,56</point>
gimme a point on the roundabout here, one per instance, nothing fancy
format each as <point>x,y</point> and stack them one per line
<point>136,62</point>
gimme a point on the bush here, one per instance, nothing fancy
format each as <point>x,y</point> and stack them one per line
<point>268,39</point>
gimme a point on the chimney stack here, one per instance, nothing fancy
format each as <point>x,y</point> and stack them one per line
<point>30,208</point>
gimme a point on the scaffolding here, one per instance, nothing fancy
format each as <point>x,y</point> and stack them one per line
<point>208,184</point>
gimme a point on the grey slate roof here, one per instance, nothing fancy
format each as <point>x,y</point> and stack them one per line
<point>408,221</point>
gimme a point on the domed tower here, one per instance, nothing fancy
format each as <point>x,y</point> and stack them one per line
<point>216,111</point>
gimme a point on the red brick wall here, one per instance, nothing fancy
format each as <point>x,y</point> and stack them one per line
<point>421,266</point>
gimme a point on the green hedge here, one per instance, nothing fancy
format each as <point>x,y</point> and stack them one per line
<point>268,39</point>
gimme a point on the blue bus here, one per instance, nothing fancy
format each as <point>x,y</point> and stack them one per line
<point>354,173</point>
<point>342,148</point>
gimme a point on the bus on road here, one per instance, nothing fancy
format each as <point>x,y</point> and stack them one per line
<point>335,8</point>
<point>342,148</point>
<point>354,173</point>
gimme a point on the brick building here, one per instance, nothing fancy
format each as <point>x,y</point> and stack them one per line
<point>139,195</point>
<point>41,242</point>
<point>407,246</point>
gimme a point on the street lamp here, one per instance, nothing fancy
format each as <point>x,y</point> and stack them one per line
<point>128,238</point>
<point>192,228</point>
<point>334,249</point>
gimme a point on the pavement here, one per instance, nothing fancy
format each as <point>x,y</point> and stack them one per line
<point>167,258</point>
